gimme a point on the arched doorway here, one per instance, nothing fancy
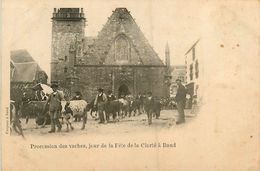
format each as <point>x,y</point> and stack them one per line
<point>123,90</point>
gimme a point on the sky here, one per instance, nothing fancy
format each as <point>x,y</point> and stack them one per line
<point>27,24</point>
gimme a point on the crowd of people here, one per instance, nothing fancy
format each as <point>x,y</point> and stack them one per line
<point>106,104</point>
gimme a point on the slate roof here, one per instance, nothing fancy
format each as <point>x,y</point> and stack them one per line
<point>88,41</point>
<point>25,69</point>
<point>25,72</point>
<point>20,56</point>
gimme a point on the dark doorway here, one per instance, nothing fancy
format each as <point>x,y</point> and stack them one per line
<point>123,91</point>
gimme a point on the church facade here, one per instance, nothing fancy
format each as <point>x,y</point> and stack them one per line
<point>119,59</point>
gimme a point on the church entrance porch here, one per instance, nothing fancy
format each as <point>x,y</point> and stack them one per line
<point>123,91</point>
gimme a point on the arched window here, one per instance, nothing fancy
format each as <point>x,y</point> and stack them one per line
<point>66,58</point>
<point>121,48</point>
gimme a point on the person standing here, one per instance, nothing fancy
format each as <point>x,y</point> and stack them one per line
<point>141,99</point>
<point>149,106</point>
<point>180,99</point>
<point>54,101</point>
<point>110,96</point>
<point>26,107</point>
<point>157,107</point>
<point>109,109</point>
<point>78,96</point>
<point>100,102</point>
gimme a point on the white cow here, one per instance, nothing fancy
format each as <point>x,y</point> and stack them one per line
<point>124,107</point>
<point>75,108</point>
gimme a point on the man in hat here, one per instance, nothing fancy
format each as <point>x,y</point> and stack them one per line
<point>54,100</point>
<point>149,105</point>
<point>100,102</point>
<point>180,99</point>
<point>77,96</point>
<point>110,96</point>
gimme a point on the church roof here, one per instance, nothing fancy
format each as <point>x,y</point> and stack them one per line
<point>101,49</point>
<point>20,56</point>
<point>25,72</point>
<point>89,40</point>
<point>25,68</point>
<point>88,43</point>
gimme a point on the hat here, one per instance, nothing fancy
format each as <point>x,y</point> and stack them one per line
<point>178,79</point>
<point>77,92</point>
<point>100,89</point>
<point>54,86</point>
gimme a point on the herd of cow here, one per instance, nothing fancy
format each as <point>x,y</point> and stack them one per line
<point>115,110</point>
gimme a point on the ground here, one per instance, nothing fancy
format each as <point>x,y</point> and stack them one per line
<point>127,125</point>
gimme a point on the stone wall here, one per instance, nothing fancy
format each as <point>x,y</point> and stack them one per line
<point>142,72</point>
<point>64,34</point>
<point>138,79</point>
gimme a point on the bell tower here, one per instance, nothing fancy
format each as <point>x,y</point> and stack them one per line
<point>68,27</point>
<point>167,76</point>
<point>167,55</point>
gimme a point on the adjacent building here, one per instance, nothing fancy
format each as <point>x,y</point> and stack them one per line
<point>194,71</point>
<point>174,72</point>
<point>177,72</point>
<point>24,73</point>
<point>119,59</point>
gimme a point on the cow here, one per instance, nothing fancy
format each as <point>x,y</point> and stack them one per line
<point>113,107</point>
<point>35,109</point>
<point>134,106</point>
<point>118,108</point>
<point>152,107</point>
<point>68,115</point>
<point>79,108</point>
<point>124,106</point>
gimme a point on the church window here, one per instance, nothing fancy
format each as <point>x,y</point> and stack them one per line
<point>191,72</point>
<point>197,69</point>
<point>121,48</point>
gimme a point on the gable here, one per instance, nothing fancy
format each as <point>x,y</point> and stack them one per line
<point>20,56</point>
<point>122,42</point>
<point>27,72</point>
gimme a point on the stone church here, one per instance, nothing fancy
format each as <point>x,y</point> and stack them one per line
<point>119,59</point>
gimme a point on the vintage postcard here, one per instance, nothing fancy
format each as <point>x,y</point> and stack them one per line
<point>128,85</point>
